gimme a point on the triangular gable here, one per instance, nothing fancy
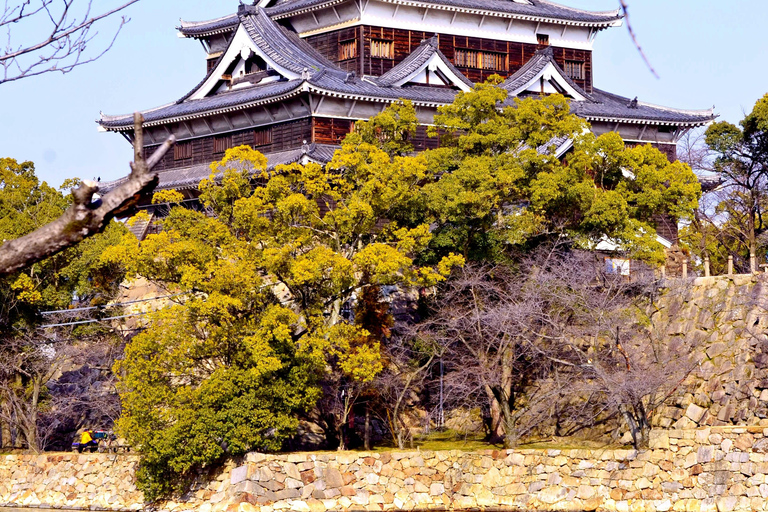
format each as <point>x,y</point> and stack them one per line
<point>435,72</point>
<point>542,75</point>
<point>240,49</point>
<point>426,65</point>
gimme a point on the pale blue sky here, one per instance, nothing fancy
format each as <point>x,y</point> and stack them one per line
<point>707,52</point>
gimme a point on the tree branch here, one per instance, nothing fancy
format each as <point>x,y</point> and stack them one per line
<point>87,217</point>
<point>63,44</point>
<point>625,9</point>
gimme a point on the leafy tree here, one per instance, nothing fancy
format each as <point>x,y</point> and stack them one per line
<point>30,357</point>
<point>502,182</point>
<point>742,161</point>
<point>229,367</point>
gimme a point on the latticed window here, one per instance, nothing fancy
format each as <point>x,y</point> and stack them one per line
<point>382,49</point>
<point>348,50</point>
<point>182,150</point>
<point>574,69</point>
<point>481,60</point>
<point>542,39</point>
<point>221,144</point>
<point>262,137</point>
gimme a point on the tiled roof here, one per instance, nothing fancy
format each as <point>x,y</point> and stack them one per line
<point>540,60</point>
<point>232,100</point>
<point>611,107</point>
<point>209,27</point>
<point>413,62</point>
<point>190,177</point>
<point>321,76</point>
<point>534,10</point>
<point>283,46</point>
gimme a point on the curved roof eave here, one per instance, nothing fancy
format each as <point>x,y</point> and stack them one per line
<point>611,18</point>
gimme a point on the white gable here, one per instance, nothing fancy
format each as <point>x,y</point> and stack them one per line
<point>549,81</point>
<point>434,72</point>
<point>240,49</point>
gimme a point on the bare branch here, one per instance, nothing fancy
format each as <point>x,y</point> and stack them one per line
<point>61,47</point>
<point>625,9</point>
<point>86,217</point>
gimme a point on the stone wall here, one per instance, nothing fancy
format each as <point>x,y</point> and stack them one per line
<point>718,469</point>
<point>728,316</point>
<point>70,480</point>
<point>713,469</point>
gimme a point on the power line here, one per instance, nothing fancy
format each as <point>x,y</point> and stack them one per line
<point>92,308</point>
<point>92,321</point>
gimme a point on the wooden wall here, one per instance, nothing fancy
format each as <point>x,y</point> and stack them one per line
<point>327,130</point>
<point>407,40</point>
<point>284,136</point>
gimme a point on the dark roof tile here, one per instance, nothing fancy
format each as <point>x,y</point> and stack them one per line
<point>536,9</point>
<point>209,27</point>
<point>184,178</point>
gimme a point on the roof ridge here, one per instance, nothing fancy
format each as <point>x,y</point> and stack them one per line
<point>693,112</point>
<point>613,12</point>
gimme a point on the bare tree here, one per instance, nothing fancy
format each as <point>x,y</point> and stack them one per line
<point>87,216</point>
<point>54,380</point>
<point>409,357</point>
<point>556,340</point>
<point>56,35</point>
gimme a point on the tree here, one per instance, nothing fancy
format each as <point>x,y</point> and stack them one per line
<point>29,356</point>
<point>502,184</point>
<point>56,35</point>
<point>555,339</point>
<point>742,162</point>
<point>87,216</point>
<point>231,366</point>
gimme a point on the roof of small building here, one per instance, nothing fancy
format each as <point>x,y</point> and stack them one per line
<point>189,177</point>
<point>413,62</point>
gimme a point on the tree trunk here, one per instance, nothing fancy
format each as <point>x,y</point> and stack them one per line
<point>496,429</point>
<point>638,426</point>
<point>367,435</point>
<point>752,240</point>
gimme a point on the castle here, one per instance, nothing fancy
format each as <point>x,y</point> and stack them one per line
<point>291,77</point>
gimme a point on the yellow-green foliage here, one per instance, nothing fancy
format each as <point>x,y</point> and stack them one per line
<point>228,369</point>
<point>501,183</point>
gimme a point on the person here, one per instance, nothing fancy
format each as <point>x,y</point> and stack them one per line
<point>87,442</point>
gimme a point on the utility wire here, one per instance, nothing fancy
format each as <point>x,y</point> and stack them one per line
<point>92,321</point>
<point>92,308</point>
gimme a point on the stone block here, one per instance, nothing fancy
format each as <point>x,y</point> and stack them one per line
<point>695,413</point>
<point>727,503</point>
<point>332,477</point>
<point>657,440</point>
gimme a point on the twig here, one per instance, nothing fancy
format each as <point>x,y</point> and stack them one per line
<point>625,9</point>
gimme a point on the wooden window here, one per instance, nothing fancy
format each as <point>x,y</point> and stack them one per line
<point>348,50</point>
<point>481,60</point>
<point>262,137</point>
<point>221,144</point>
<point>182,150</point>
<point>543,39</point>
<point>382,49</point>
<point>574,69</point>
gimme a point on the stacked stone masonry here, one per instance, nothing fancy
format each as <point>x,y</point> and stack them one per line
<point>718,469</point>
<point>728,318</point>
